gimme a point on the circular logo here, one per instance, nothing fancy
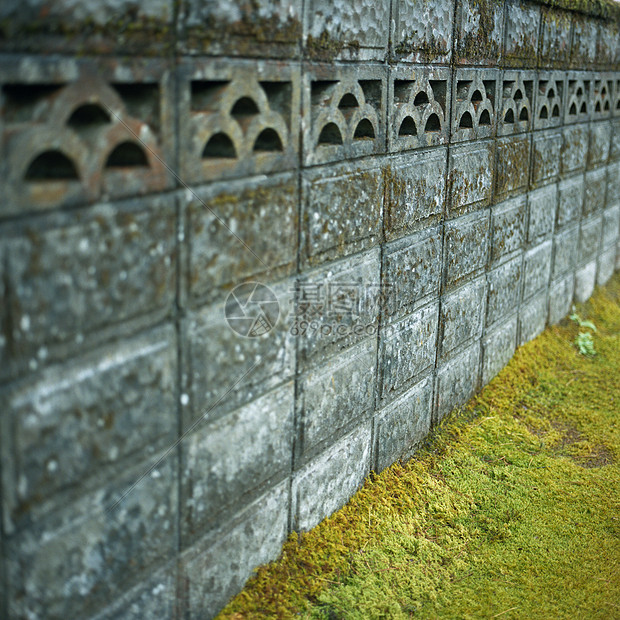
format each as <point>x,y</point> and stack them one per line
<point>252,309</point>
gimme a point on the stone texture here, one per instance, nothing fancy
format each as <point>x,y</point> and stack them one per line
<point>479,31</point>
<point>555,37</point>
<point>475,96</point>
<point>611,225</point>
<point>598,151</point>
<point>517,102</point>
<point>542,209</point>
<point>574,148</point>
<point>521,33</point>
<point>508,227</point>
<point>585,34</point>
<point>550,93</point>
<point>470,176</point>
<point>590,238</point>
<point>546,149</point>
<point>537,268</point>
<point>594,198</point>
<point>578,103</point>
<point>585,281</point>
<point>565,251</point>
<point>560,299</point>
<point>570,200</point>
<point>606,265</point>
<point>512,167</point>
<point>532,318</point>
<point>504,292</point>
<point>498,347</point>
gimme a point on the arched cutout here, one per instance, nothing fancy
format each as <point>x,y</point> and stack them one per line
<point>555,113</point>
<point>421,98</point>
<point>580,92</point>
<point>518,95</point>
<point>603,91</point>
<point>551,93</point>
<point>219,145</point>
<point>364,130</point>
<point>544,113</point>
<point>524,115</point>
<point>509,117</point>
<point>126,154</point>
<point>573,110</point>
<point>476,97</point>
<point>245,106</point>
<point>433,123</point>
<point>330,134</point>
<point>485,118</point>
<point>87,116</point>
<point>597,107</point>
<point>466,121</point>
<point>618,104</point>
<point>583,109</point>
<point>606,106</point>
<point>407,127</point>
<point>268,140</point>
<point>51,166</point>
<point>348,101</point>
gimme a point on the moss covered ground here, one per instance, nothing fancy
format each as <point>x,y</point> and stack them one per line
<point>511,510</point>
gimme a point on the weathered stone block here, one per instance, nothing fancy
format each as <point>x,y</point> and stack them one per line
<point>237,118</point>
<point>217,567</point>
<point>550,90</point>
<point>325,484</point>
<point>594,199</point>
<point>230,234</point>
<point>341,211</point>
<point>407,350</point>
<point>603,96</point>
<point>585,281</point>
<point>348,30</point>
<point>611,225</point>
<point>479,31</point>
<point>512,166</point>
<point>585,35</point>
<point>457,381</point>
<point>419,108</point>
<point>497,349</point>
<point>542,207</point>
<point>475,94</point>
<point>607,43</point>
<point>335,394</point>
<point>532,318</point>
<point>517,102</point>
<point>422,30</point>
<point>561,298</point>
<point>565,251</point>
<point>403,425</point>
<point>462,316</point>
<point>113,537</point>
<point>613,184</point>
<point>614,151</point>
<point>578,99</point>
<point>600,142</point>
<point>65,427</point>
<point>411,271</point>
<point>590,238</point>
<point>606,265</point>
<point>521,33</point>
<point>537,267</point>
<point>233,455</point>
<point>546,149</point>
<point>570,200</point>
<point>466,246</point>
<point>507,227</point>
<point>504,290</point>
<point>574,154</point>
<point>415,191</point>
<point>344,112</point>
<point>555,37</point>
<point>470,177</point>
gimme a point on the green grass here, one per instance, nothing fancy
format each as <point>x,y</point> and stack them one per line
<point>512,509</point>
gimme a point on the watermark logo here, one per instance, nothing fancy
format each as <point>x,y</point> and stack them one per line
<point>252,309</point>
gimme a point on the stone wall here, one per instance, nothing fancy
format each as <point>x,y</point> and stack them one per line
<point>423,185</point>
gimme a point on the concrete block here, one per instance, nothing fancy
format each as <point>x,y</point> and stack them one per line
<point>412,269</point>
<point>475,93</point>
<point>325,484</point>
<point>230,234</point>
<point>595,190</point>
<point>537,268</point>
<point>237,118</point>
<point>565,251</point>
<point>76,273</point>
<point>614,151</point>
<point>607,43</point>
<point>234,455</point>
<point>348,30</point>
<point>585,35</point>
<point>341,211</point>
<point>237,28</point>
<point>613,184</point>
<point>575,144</point>
<point>577,107</point>
<point>114,537</point>
<point>611,225</point>
<point>508,227</point>
<point>546,149</point>
<point>498,347</point>
<point>470,177</point>
<point>590,238</point>
<point>467,241</point>
<point>600,142</point>
<point>403,425</point>
<point>512,168</point>
<point>457,381</point>
<point>603,95</point>
<point>462,316</point>
<point>550,89</point>
<point>344,112</point>
<point>570,200</point>
<point>415,191</point>
<point>561,298</point>
<point>606,265</point>
<point>517,103</point>
<point>585,281</point>
<point>407,350</point>
<point>217,567</point>
<point>533,318</point>
<point>479,31</point>
<point>542,205</point>
<point>338,306</point>
<point>504,292</point>
<point>340,391</point>
<point>422,30</point>
<point>222,369</point>
<point>64,428</point>
<point>77,131</point>
<point>555,37</point>
<point>521,34</point>
<point>419,107</point>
